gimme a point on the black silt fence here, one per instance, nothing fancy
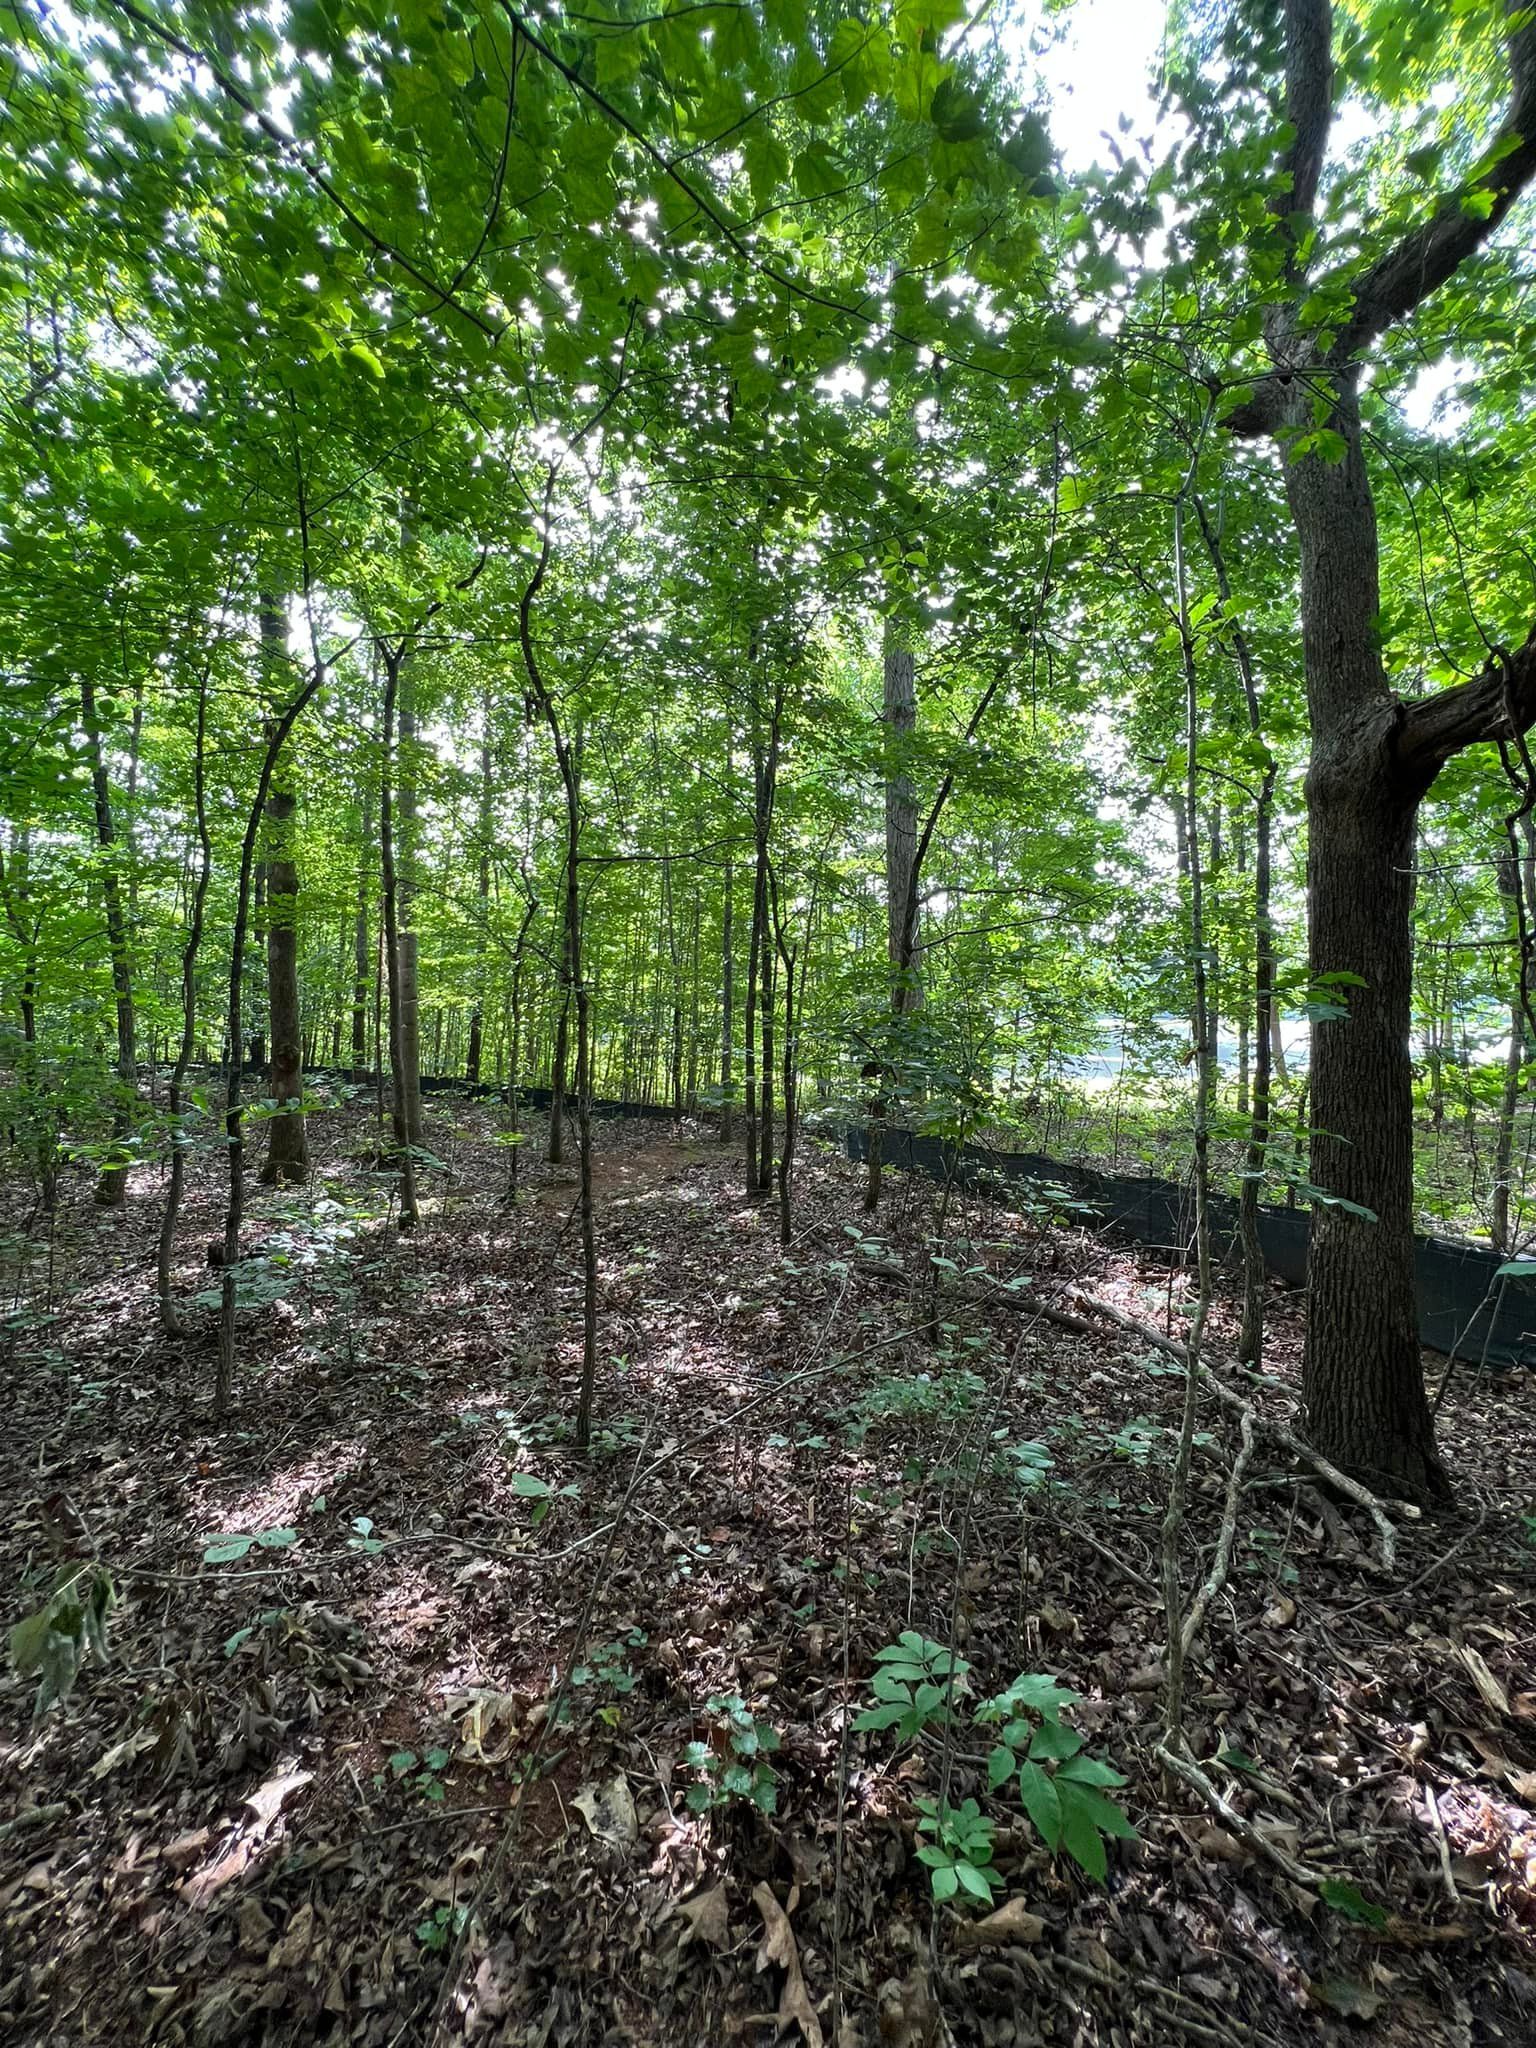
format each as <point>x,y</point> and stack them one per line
<point>1465,1310</point>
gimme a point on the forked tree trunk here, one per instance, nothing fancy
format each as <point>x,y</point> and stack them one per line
<point>1374,756</point>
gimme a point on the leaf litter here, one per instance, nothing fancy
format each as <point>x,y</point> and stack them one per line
<point>216,1838</point>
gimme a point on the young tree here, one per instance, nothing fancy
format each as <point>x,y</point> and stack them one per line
<point>287,1150</point>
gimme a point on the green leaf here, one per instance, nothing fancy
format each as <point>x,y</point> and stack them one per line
<point>361,353</point>
<point>226,1549</point>
<point>529,1487</point>
<point>1038,1796</point>
<point>1343,1897</point>
<point>1052,1741</point>
<point>1089,1770</point>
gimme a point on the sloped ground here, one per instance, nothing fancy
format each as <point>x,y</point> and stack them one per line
<point>472,1673</point>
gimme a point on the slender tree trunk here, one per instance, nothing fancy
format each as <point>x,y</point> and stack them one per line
<point>787,955</point>
<point>362,965</point>
<point>482,895</point>
<point>112,1181</point>
<point>727,998</point>
<point>408,1069</point>
<point>749,1044</point>
<point>556,1151</point>
<point>1509,1094</point>
<point>405,1149</point>
<point>170,1321</point>
<point>27,930</point>
<point>900,693</point>
<point>234,1122</point>
<point>765,1018</point>
<point>287,1153</point>
<point>515,1048</point>
<point>1251,1335</point>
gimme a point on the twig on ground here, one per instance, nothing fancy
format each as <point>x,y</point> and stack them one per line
<point>1221,1564</point>
<point>1189,1771</point>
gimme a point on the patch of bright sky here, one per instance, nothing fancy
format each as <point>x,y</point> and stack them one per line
<point>1104,66</point>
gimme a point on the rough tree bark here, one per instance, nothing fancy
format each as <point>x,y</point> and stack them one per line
<point>1374,758</point>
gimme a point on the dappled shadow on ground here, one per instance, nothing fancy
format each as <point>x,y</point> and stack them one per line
<point>387,1648</point>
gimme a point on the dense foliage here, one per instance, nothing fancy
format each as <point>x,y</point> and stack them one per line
<point>532,537</point>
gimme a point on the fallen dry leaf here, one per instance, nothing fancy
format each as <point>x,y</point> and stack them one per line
<point>706,1917</point>
<point>609,1811</point>
<point>267,1801</point>
<point>1494,1695</point>
<point>1011,1925</point>
<point>203,1884</point>
<point>778,1946</point>
<point>296,1938</point>
<point>1346,1995</point>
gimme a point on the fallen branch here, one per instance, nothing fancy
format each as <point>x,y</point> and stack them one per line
<point>34,1817</point>
<point>1298,1446</point>
<point>1221,1564</point>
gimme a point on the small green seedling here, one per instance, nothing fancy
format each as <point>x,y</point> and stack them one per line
<point>914,1687</point>
<point>446,1924</point>
<point>733,1765</point>
<point>958,1852</point>
<point>419,1774</point>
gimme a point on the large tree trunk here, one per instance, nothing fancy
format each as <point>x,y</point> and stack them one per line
<point>287,1154</point>
<point>1363,1372</point>
<point>1374,756</point>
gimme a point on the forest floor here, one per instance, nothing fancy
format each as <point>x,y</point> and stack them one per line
<point>465,1666</point>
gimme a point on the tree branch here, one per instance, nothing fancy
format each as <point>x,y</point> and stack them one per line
<point>1463,220</point>
<point>1308,100</point>
<point>1497,704</point>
